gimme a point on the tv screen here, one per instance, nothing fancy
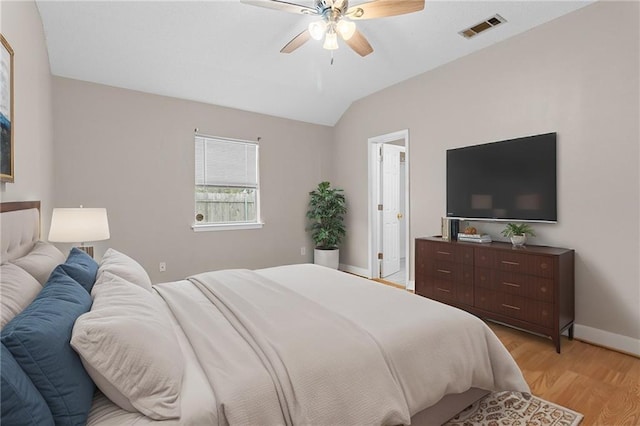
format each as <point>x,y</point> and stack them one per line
<point>509,180</point>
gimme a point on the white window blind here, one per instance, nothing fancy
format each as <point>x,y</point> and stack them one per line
<point>225,163</point>
<point>226,184</point>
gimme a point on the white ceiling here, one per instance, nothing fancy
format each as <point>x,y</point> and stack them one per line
<point>227,53</point>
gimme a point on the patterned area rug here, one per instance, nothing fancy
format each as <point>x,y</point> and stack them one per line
<point>511,408</point>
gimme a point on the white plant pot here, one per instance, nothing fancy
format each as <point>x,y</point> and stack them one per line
<point>328,258</point>
<point>518,240</point>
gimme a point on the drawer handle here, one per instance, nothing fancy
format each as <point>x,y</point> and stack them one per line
<point>443,289</point>
<point>510,307</point>
<point>443,252</point>
<point>506,262</point>
<point>511,284</point>
<point>444,271</point>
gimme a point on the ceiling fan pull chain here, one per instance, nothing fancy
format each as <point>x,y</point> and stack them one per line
<point>332,57</point>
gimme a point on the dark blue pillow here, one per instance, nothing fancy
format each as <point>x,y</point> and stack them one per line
<point>22,404</point>
<point>38,338</point>
<point>82,268</point>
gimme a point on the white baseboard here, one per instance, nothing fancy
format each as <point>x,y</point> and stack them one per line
<point>354,270</point>
<point>607,339</point>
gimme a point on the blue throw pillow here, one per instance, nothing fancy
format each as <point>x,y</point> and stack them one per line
<point>22,404</point>
<point>82,268</point>
<point>38,338</point>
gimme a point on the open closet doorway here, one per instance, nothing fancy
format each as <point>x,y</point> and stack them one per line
<point>389,207</point>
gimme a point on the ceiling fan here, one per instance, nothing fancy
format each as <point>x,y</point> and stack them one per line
<point>336,19</point>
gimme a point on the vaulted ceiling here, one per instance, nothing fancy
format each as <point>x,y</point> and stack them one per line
<point>228,53</point>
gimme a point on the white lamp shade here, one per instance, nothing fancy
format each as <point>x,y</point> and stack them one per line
<point>331,41</point>
<point>317,29</point>
<point>78,225</point>
<point>346,29</point>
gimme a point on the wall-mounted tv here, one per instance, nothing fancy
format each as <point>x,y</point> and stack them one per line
<point>509,180</point>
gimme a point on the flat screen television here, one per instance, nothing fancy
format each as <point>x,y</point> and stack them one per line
<point>509,180</point>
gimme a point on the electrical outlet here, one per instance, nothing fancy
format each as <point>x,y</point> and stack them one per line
<point>303,251</point>
<point>163,267</point>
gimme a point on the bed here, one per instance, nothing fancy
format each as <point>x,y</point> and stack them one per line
<point>295,344</point>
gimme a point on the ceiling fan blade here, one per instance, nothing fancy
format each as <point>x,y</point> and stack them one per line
<point>282,6</point>
<point>296,42</point>
<point>359,43</point>
<point>382,8</point>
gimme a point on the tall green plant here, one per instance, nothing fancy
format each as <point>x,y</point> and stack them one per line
<point>326,209</point>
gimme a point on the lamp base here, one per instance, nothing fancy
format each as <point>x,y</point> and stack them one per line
<point>87,249</point>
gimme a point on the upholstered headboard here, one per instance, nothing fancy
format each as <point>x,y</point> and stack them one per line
<point>19,227</point>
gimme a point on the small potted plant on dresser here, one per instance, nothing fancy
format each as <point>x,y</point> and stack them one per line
<point>326,209</point>
<point>518,232</point>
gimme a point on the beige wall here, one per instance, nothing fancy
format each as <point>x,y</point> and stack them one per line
<point>578,76</point>
<point>133,153</point>
<point>33,137</point>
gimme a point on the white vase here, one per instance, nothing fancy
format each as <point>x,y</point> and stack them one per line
<point>328,258</point>
<point>518,240</point>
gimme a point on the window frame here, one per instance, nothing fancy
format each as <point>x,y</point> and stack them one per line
<point>228,226</point>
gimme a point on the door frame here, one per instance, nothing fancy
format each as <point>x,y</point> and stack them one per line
<point>373,145</point>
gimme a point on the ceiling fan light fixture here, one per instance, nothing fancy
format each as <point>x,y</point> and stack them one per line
<point>331,41</point>
<point>317,29</point>
<point>346,29</point>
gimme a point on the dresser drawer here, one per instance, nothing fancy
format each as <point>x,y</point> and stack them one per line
<point>541,266</point>
<point>464,255</point>
<point>465,275</point>
<point>464,294</point>
<point>451,253</point>
<point>524,285</point>
<point>483,277</point>
<point>443,290</point>
<point>484,299</point>
<point>524,309</point>
<point>484,258</point>
<point>439,251</point>
<point>442,270</point>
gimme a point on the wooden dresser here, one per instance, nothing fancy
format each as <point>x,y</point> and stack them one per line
<point>531,288</point>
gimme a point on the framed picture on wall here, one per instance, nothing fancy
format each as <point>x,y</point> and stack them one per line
<point>6,112</point>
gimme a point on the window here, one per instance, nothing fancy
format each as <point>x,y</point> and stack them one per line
<point>227,192</point>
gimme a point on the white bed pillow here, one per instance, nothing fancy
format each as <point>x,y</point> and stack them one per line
<point>123,266</point>
<point>128,347</point>
<point>18,289</point>
<point>41,260</point>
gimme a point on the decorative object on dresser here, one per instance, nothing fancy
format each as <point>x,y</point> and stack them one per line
<point>79,225</point>
<point>531,288</point>
<point>326,209</point>
<point>517,233</point>
<point>449,228</point>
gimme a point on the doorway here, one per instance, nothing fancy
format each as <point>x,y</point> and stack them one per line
<point>389,207</point>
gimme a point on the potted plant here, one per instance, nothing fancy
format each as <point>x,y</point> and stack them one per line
<point>326,209</point>
<point>518,232</point>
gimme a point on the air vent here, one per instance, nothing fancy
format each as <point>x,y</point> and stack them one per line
<point>494,21</point>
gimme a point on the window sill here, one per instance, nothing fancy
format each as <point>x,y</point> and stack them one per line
<point>225,226</point>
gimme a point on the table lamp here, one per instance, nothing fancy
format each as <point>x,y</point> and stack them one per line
<point>79,225</point>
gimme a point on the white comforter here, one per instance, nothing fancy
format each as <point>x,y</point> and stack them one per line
<point>303,344</point>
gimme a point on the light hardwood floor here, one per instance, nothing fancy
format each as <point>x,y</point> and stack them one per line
<point>601,384</point>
